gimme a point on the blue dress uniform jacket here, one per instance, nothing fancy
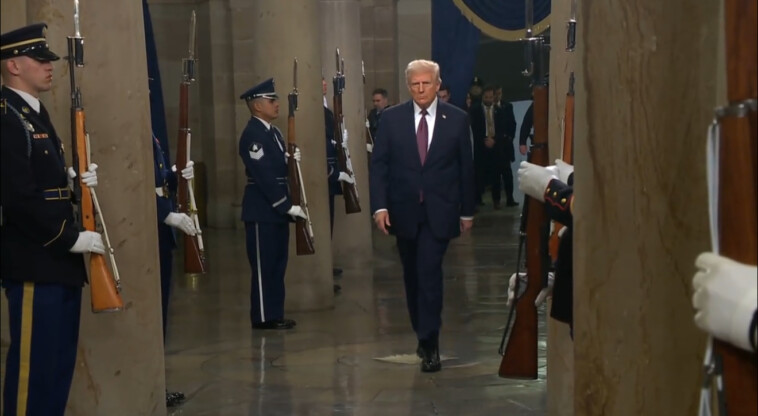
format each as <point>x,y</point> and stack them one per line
<point>165,179</point>
<point>558,197</point>
<point>266,197</point>
<point>333,170</point>
<point>38,227</point>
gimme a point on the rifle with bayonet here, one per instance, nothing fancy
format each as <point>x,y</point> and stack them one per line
<point>349,190</point>
<point>303,226</point>
<point>736,206</point>
<point>567,156</point>
<point>104,286</point>
<point>194,251</point>
<point>520,351</point>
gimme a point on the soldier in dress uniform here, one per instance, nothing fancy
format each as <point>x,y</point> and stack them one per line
<point>334,176</point>
<point>41,245</point>
<point>267,208</point>
<point>553,185</point>
<point>165,185</point>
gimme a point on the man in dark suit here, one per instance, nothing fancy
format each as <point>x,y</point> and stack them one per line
<point>422,191</point>
<point>41,244</point>
<point>493,128</point>
<point>266,207</point>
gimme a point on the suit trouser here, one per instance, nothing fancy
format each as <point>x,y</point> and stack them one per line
<point>422,273</point>
<point>44,328</point>
<point>267,251</point>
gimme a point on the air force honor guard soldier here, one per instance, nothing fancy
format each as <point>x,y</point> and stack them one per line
<point>266,207</point>
<point>42,266</point>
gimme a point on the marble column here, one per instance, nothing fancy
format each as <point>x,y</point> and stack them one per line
<point>120,367</point>
<point>414,39</point>
<point>379,43</point>
<point>560,347</point>
<point>646,76</point>
<point>340,28</point>
<point>267,35</point>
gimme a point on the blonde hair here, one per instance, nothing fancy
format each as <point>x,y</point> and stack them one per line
<point>422,65</point>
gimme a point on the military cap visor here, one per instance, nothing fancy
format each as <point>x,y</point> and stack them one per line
<point>28,41</point>
<point>263,90</point>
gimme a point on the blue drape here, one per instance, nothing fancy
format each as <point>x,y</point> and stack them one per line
<point>503,15</point>
<point>157,110</point>
<point>455,42</point>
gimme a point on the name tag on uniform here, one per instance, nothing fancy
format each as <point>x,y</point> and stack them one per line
<point>256,151</point>
<point>40,136</point>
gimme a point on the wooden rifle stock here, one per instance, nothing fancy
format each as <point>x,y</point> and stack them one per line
<point>349,191</point>
<point>520,355</point>
<point>194,257</point>
<point>303,229</point>
<point>567,156</point>
<point>194,253</point>
<point>104,288</point>
<point>738,189</point>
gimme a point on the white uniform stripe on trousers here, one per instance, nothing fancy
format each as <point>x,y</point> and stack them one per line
<point>260,275</point>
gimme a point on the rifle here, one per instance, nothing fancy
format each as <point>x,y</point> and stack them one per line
<point>567,156</point>
<point>369,138</point>
<point>349,190</point>
<point>104,286</point>
<point>734,223</point>
<point>194,252</point>
<point>303,226</point>
<point>520,353</point>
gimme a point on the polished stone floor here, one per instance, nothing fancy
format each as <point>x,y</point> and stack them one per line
<point>329,364</point>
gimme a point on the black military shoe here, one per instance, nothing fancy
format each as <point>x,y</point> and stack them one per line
<point>336,272</point>
<point>174,398</point>
<point>337,288</point>
<point>430,361</point>
<point>275,324</point>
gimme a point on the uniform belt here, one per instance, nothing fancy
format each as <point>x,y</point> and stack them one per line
<point>282,180</point>
<point>162,191</point>
<point>56,194</point>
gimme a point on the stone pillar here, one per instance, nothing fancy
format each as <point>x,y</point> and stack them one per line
<point>13,15</point>
<point>340,28</point>
<point>120,368</point>
<point>414,39</point>
<point>645,94</point>
<point>267,35</point>
<point>379,43</point>
<point>560,347</point>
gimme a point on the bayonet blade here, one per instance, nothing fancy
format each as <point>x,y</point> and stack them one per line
<point>338,59</point>
<point>294,75</point>
<point>192,36</point>
<point>363,72</point>
<point>76,19</point>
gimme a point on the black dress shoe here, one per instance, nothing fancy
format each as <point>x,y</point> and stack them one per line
<point>511,204</point>
<point>336,272</point>
<point>174,398</point>
<point>337,288</point>
<point>275,324</point>
<point>430,360</point>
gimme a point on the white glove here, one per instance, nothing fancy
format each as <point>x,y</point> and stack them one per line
<point>88,242</point>
<point>296,211</point>
<point>188,172</point>
<point>546,291</point>
<point>725,298</point>
<point>71,175</point>
<point>296,156</point>
<point>512,287</point>
<point>89,178</point>
<point>344,177</point>
<point>533,179</point>
<point>181,221</point>
<point>369,147</point>
<point>344,138</point>
<point>564,170</point>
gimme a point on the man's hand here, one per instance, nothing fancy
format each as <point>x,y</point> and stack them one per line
<point>564,170</point>
<point>725,298</point>
<point>89,178</point>
<point>382,221</point>
<point>181,221</point>
<point>466,225</point>
<point>188,172</point>
<point>344,177</point>
<point>522,149</point>
<point>533,179</point>
<point>88,242</point>
<point>297,211</point>
<point>546,292</point>
<point>489,142</point>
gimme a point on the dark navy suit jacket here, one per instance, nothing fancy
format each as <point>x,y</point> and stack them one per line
<point>446,178</point>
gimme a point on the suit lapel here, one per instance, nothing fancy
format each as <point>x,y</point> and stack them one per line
<point>439,124</point>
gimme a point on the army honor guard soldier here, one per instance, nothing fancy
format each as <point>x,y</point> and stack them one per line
<point>267,209</point>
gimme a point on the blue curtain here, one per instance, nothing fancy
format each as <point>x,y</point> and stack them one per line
<point>500,17</point>
<point>157,110</point>
<point>455,42</point>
